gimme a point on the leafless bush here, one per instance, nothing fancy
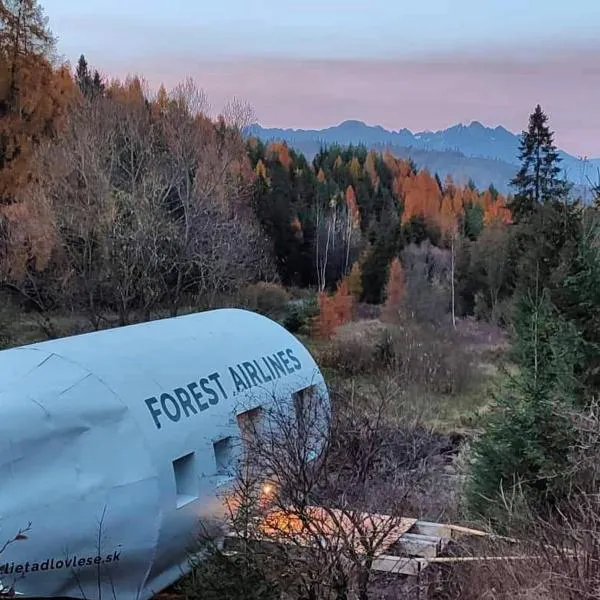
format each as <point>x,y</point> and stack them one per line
<point>555,560</point>
<point>353,350</point>
<point>417,354</point>
<point>429,357</point>
<point>427,272</point>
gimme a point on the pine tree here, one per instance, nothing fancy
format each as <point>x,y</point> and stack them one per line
<point>537,181</point>
<point>83,79</point>
<point>98,85</point>
<point>578,299</point>
<point>526,442</point>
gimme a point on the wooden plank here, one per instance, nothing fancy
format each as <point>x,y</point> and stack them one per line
<point>433,529</point>
<point>420,536</point>
<point>335,524</point>
<point>413,544</point>
<point>458,531</point>
<point>399,565</point>
<point>458,559</point>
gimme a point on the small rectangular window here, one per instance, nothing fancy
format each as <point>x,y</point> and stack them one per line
<point>249,422</point>
<point>186,482</point>
<point>223,450</point>
<point>304,406</point>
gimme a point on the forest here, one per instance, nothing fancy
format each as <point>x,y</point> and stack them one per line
<point>450,320</point>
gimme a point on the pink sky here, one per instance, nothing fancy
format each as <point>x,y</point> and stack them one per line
<point>417,94</point>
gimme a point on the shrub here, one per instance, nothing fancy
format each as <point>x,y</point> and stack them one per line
<point>300,314</point>
<point>430,357</point>
<point>355,282</point>
<point>5,335</point>
<point>416,354</point>
<point>218,575</point>
<point>268,299</point>
<point>353,350</point>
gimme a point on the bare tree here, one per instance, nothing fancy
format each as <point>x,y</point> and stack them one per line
<point>337,240</point>
<point>218,245</point>
<point>428,271</point>
<point>150,204</point>
<point>490,259</point>
<point>103,181</point>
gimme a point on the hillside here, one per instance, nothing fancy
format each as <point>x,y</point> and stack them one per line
<point>484,154</point>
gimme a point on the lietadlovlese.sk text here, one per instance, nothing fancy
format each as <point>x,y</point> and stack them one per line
<point>53,564</point>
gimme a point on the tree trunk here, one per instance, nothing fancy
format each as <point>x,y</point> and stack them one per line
<point>363,580</point>
<point>452,284</point>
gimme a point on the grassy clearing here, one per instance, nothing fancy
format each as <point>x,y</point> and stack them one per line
<point>442,379</point>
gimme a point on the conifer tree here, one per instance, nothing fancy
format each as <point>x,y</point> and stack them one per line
<point>578,299</point>
<point>525,446</point>
<point>98,85</point>
<point>538,180</point>
<point>83,79</point>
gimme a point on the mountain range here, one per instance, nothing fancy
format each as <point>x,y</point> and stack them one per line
<point>484,154</point>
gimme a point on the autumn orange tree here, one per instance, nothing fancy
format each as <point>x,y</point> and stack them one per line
<point>334,310</point>
<point>394,291</point>
<point>35,98</point>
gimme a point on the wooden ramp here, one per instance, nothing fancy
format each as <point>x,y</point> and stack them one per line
<point>403,546</point>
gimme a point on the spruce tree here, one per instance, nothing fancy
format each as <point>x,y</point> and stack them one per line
<point>83,77</point>
<point>98,86</point>
<point>578,299</point>
<point>538,180</point>
<point>525,446</point>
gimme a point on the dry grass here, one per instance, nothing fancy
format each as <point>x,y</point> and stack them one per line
<point>430,359</point>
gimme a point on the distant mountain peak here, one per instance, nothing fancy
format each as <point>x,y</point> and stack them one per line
<point>353,123</point>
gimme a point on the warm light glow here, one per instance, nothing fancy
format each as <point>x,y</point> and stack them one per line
<point>267,489</point>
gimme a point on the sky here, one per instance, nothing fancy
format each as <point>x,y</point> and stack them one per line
<point>421,64</point>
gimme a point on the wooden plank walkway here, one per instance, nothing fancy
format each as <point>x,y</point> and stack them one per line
<point>418,543</point>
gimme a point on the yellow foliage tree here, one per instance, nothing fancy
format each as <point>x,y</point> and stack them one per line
<point>354,281</point>
<point>352,206</point>
<point>261,171</point>
<point>371,169</point>
<point>355,169</point>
